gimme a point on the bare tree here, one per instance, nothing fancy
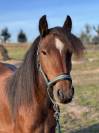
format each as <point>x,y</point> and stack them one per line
<point>96,29</point>
<point>85,35</point>
<point>96,38</point>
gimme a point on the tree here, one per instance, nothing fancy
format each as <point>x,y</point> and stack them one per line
<point>95,39</point>
<point>85,35</point>
<point>5,34</point>
<point>96,29</point>
<point>87,29</point>
<point>22,37</point>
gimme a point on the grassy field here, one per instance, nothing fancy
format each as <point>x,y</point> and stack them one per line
<point>82,115</point>
<point>17,51</point>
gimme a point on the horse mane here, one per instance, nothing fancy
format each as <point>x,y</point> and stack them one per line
<point>20,85</point>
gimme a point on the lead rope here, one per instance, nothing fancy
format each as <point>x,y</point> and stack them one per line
<point>57,117</point>
<point>56,113</point>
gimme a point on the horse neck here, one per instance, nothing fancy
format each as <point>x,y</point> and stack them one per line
<point>41,92</point>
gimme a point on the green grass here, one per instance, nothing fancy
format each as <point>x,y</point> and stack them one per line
<point>88,95</point>
<point>92,53</point>
<point>17,51</point>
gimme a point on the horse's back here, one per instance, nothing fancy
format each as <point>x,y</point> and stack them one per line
<point>6,122</point>
<point>6,68</point>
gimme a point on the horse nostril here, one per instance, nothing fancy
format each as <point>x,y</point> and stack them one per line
<point>60,94</point>
<point>65,97</point>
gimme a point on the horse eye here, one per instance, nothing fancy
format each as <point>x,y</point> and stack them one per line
<point>44,52</point>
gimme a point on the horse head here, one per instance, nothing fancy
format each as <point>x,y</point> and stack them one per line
<point>55,52</point>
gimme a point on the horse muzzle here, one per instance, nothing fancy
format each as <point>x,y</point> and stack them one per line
<point>63,96</point>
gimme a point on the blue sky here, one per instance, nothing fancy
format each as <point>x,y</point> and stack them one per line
<point>25,14</point>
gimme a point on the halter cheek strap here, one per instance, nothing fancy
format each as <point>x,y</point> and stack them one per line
<point>56,79</point>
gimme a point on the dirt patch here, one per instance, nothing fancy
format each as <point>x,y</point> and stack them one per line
<point>91,71</point>
<point>85,60</point>
<point>76,111</point>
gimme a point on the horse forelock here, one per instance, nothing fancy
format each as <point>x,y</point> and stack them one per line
<point>73,43</point>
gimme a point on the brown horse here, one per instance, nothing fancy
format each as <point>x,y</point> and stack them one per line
<point>25,102</point>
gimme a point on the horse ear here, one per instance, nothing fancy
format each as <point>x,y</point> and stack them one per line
<point>43,26</point>
<point>68,24</point>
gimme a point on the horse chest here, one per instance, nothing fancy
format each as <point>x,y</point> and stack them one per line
<point>45,122</point>
<point>37,121</point>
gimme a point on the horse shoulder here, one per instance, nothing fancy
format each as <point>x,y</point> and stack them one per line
<point>26,120</point>
<point>5,73</point>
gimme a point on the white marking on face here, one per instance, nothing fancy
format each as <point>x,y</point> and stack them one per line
<point>59,45</point>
